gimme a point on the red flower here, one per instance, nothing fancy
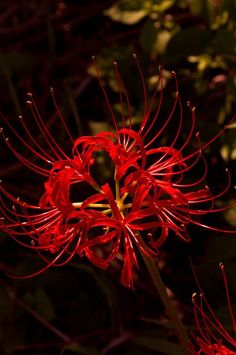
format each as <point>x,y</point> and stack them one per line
<point>213,349</point>
<point>212,334</point>
<point>148,194</point>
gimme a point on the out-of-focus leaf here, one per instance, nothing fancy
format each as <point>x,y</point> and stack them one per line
<point>133,5</point>
<point>160,345</point>
<point>40,301</point>
<point>208,10</point>
<point>204,62</point>
<point>153,39</point>
<point>148,36</point>
<point>106,288</point>
<point>230,7</point>
<point>131,12</point>
<point>125,16</point>
<point>223,313</point>
<point>220,249</point>
<point>162,40</point>
<point>198,7</point>
<point>98,127</point>
<point>227,154</point>
<point>187,42</point>
<point>231,125</point>
<point>161,6</point>
<point>228,150</point>
<point>224,42</point>
<point>18,62</point>
<point>43,304</point>
<point>78,349</point>
<point>230,214</point>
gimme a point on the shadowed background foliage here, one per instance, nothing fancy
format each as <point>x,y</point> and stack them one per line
<point>78,308</point>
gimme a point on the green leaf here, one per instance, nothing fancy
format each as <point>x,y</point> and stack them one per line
<point>148,36</point>
<point>203,8</point>
<point>125,16</point>
<point>198,7</point>
<point>230,7</point>
<point>191,41</point>
<point>161,6</point>
<point>230,214</point>
<point>224,42</point>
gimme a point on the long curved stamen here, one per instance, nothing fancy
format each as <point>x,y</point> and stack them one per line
<point>24,160</point>
<point>43,155</point>
<point>40,271</point>
<point>197,182</point>
<point>213,327</point>
<point>221,266</point>
<point>106,98</point>
<point>193,118</point>
<point>204,146</point>
<point>61,116</point>
<point>143,85</point>
<point>51,142</point>
<point>148,112</point>
<point>166,122</point>
<point>121,104</point>
<point>157,172</point>
<point>122,87</point>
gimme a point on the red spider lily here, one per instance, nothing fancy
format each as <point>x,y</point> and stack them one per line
<point>148,194</point>
<point>212,332</point>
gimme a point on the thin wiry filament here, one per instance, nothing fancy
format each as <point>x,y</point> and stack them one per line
<point>122,88</point>
<point>221,265</point>
<point>56,149</point>
<point>107,100</point>
<point>143,85</point>
<point>159,132</point>
<point>45,157</point>
<point>61,116</point>
<point>148,112</point>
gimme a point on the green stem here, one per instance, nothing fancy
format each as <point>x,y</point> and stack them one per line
<point>117,190</point>
<point>161,288</point>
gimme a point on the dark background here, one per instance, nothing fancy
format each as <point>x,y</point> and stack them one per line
<point>79,308</point>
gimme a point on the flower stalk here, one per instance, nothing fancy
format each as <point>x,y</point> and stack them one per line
<point>161,288</point>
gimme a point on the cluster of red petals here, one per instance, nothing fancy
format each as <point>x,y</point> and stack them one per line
<point>212,334</point>
<point>213,349</point>
<point>148,196</point>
